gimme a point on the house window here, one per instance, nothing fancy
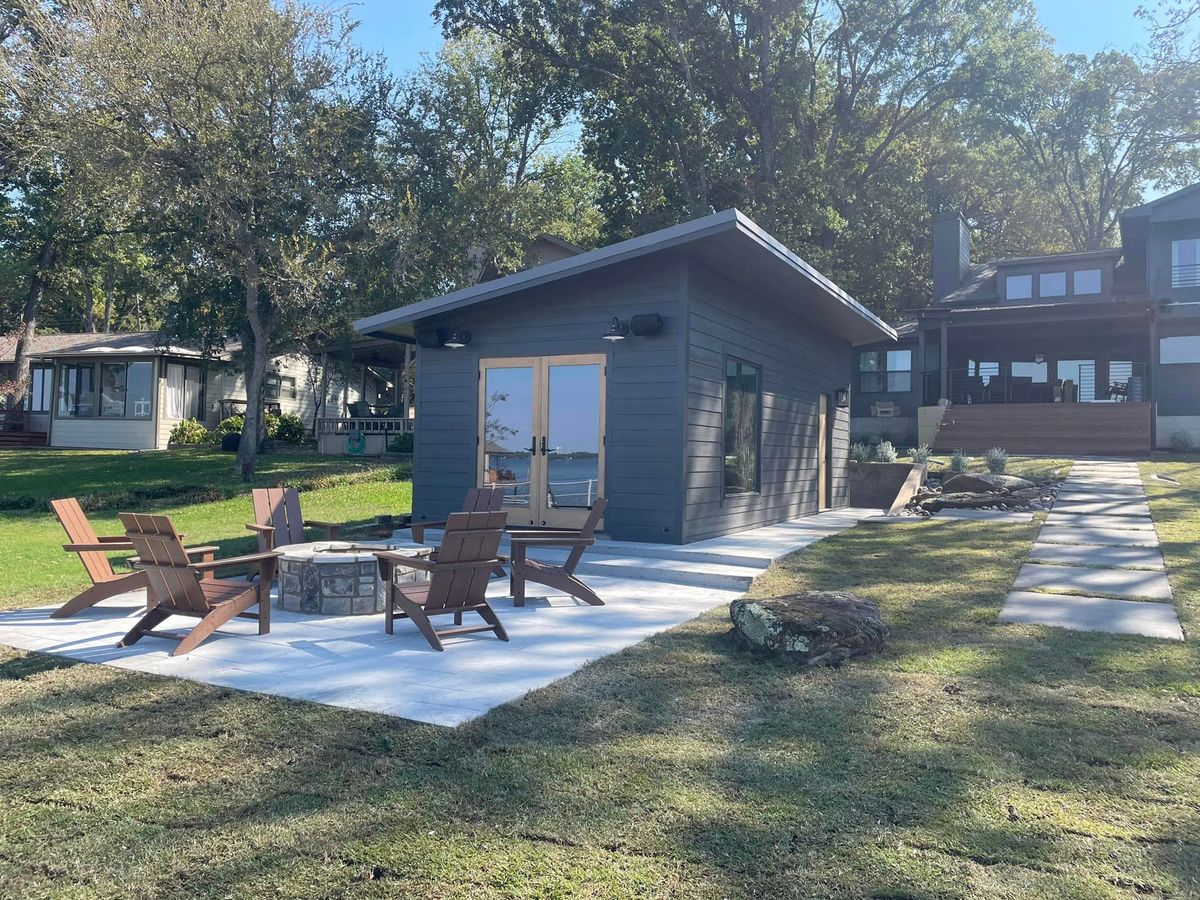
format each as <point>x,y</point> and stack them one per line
<point>126,390</point>
<point>1018,287</point>
<point>1185,263</point>
<point>1052,284</point>
<point>77,390</point>
<point>881,371</point>
<point>40,380</point>
<point>277,387</point>
<point>1085,281</point>
<point>185,391</point>
<point>1184,348</point>
<point>743,414</point>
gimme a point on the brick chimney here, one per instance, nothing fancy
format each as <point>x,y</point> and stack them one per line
<point>951,252</point>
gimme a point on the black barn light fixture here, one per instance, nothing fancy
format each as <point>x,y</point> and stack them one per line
<point>618,331</point>
<point>842,397</point>
<point>457,340</point>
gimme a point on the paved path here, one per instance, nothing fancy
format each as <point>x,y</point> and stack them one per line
<point>1096,565</point>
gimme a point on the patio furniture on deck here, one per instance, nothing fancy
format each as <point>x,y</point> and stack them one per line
<point>458,578</point>
<point>93,552</point>
<point>478,500</point>
<point>179,590</point>
<point>359,409</point>
<point>278,522</point>
<point>561,578</point>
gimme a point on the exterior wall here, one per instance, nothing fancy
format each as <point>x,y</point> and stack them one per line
<point>1177,385</point>
<point>799,362</point>
<point>899,429</point>
<point>100,433</point>
<point>1158,254</point>
<point>226,382</point>
<point>644,429</point>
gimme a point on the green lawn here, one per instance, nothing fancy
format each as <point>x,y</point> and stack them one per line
<point>969,760</point>
<point>36,570</point>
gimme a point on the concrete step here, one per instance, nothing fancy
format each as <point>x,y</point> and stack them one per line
<point>670,571</point>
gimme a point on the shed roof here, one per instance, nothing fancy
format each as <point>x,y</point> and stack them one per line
<point>727,241</point>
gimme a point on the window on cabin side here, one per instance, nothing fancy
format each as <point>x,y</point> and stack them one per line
<point>743,415</point>
<point>1086,281</point>
<point>1018,287</point>
<point>1052,284</point>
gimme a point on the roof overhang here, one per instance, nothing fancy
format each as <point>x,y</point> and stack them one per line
<point>729,242</point>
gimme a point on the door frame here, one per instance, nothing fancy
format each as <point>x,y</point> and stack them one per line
<point>824,455</point>
<point>540,513</point>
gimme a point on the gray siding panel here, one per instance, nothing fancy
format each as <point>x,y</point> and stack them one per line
<point>799,362</point>
<point>644,401</point>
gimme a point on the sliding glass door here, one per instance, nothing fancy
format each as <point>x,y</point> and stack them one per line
<point>541,427</point>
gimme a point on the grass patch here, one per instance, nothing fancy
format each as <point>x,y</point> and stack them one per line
<point>969,760</point>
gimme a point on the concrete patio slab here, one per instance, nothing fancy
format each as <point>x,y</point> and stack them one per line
<point>1073,534</point>
<point>1130,584</point>
<point>1103,507</point>
<point>1087,555</point>
<point>349,662</point>
<point>1115,523</point>
<point>1156,620</point>
<point>986,515</point>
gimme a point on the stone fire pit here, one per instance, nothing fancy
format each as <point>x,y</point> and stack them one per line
<point>339,578</point>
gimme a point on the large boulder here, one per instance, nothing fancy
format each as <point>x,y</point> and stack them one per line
<point>814,628</point>
<point>984,483</point>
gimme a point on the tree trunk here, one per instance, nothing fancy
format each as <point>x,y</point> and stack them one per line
<point>256,368</point>
<point>47,256</point>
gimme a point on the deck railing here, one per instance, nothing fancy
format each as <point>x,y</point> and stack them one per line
<point>364,425</point>
<point>1125,382</point>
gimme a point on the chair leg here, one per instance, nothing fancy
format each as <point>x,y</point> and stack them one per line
<point>208,625</point>
<point>580,590</point>
<point>489,615</point>
<point>417,614</point>
<point>101,591</point>
<point>152,619</point>
<point>518,586</point>
<point>264,608</point>
<point>389,615</point>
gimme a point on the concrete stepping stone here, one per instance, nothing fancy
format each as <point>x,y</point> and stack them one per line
<point>1127,507</point>
<point>986,515</point>
<point>1074,534</point>
<point>1129,584</point>
<point>1074,495</point>
<point>1093,614</point>
<point>1091,487</point>
<point>1088,555</point>
<point>1084,520</point>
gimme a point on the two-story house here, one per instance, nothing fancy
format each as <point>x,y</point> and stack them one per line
<point>1095,352</point>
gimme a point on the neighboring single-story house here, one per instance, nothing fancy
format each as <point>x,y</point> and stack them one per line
<point>1095,352</point>
<point>698,377</point>
<point>126,391</point>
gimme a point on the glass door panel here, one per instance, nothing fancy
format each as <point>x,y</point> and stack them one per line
<point>574,399</point>
<point>508,432</point>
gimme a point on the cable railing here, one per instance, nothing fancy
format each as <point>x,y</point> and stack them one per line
<point>1077,382</point>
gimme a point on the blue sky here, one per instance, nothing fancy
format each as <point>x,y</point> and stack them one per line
<point>404,29</point>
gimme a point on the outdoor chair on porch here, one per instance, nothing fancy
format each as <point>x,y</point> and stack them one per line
<point>93,553</point>
<point>458,578</point>
<point>560,578</point>
<point>478,500</point>
<point>277,519</point>
<point>179,588</point>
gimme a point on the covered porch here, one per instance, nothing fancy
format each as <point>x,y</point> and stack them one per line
<point>376,404</point>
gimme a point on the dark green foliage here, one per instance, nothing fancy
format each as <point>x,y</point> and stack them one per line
<point>189,431</point>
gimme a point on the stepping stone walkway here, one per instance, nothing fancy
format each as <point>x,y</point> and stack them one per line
<point>1096,565</point>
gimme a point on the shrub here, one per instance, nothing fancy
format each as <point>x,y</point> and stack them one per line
<point>860,452</point>
<point>401,443</point>
<point>996,460</point>
<point>1181,441</point>
<point>232,425</point>
<point>885,452</point>
<point>958,462</point>
<point>188,431</point>
<point>287,428</point>
<point>922,453</point>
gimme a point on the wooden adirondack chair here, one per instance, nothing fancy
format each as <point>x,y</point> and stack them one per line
<point>277,519</point>
<point>179,589</point>
<point>458,578</point>
<point>93,553</point>
<point>479,500</point>
<point>560,578</point>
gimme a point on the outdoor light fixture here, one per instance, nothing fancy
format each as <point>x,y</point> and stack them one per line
<point>646,324</point>
<point>457,340</point>
<point>617,331</point>
<point>1039,357</point>
<point>843,398</point>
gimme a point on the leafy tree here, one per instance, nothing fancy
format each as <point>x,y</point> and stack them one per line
<point>241,126</point>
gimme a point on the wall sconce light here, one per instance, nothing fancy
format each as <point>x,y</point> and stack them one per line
<point>842,397</point>
<point>457,340</point>
<point>617,331</point>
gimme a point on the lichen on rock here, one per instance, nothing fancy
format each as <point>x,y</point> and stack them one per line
<point>815,628</point>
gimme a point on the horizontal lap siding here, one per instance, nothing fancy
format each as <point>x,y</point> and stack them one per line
<point>799,362</point>
<point>644,381</point>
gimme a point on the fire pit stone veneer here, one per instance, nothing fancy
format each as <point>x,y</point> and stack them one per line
<point>338,578</point>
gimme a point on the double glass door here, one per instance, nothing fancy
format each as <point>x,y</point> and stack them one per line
<point>541,436</point>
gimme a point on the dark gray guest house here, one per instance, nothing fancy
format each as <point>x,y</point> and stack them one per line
<point>698,377</point>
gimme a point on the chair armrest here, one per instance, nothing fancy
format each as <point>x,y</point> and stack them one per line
<point>400,559</point>
<point>317,523</point>
<point>87,548</point>
<point>260,528</point>
<point>418,529</point>
<point>553,542</point>
<point>232,561</point>
<point>522,533</point>
<point>114,539</point>
<point>200,551</point>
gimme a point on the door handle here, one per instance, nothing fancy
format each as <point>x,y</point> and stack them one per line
<point>543,445</point>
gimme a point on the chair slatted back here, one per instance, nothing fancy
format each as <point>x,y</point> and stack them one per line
<point>587,531</point>
<point>79,531</point>
<point>172,580</point>
<point>279,507</point>
<point>483,499</point>
<point>468,537</point>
